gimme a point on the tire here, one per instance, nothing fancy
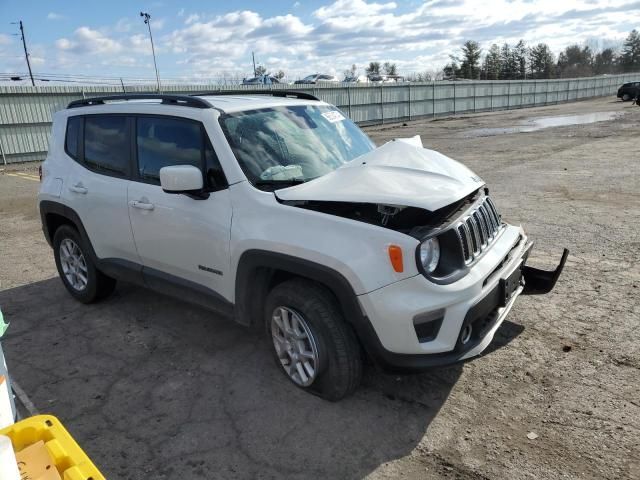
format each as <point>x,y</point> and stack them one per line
<point>88,284</point>
<point>338,357</point>
<point>626,97</point>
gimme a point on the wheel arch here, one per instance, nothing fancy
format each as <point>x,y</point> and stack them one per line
<point>54,215</point>
<point>260,270</point>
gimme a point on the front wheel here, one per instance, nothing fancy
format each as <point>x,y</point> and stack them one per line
<point>78,273</point>
<point>626,97</point>
<point>311,341</point>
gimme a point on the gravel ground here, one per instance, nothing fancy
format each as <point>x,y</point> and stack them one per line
<point>155,388</point>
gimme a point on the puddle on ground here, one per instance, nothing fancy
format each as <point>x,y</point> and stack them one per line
<point>534,124</point>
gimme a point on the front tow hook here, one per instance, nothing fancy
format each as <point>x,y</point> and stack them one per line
<point>539,282</point>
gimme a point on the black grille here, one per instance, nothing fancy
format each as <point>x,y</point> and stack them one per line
<point>478,229</point>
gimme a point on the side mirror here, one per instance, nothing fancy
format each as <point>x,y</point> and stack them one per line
<point>185,179</point>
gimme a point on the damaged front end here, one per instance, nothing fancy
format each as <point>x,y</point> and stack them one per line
<point>412,221</point>
<point>421,193</point>
<point>540,282</point>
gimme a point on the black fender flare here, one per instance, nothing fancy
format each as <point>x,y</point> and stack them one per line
<point>48,207</point>
<point>252,283</point>
<point>254,272</point>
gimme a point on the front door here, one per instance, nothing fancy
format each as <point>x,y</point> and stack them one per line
<point>179,238</point>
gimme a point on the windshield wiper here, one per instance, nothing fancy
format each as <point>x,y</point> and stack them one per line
<point>279,183</point>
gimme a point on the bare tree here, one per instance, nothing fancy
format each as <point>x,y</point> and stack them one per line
<point>390,68</point>
<point>351,72</point>
<point>280,75</point>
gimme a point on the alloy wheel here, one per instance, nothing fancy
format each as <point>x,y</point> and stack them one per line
<point>295,345</point>
<point>73,264</point>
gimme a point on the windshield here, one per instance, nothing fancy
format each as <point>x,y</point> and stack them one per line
<point>293,144</point>
<point>310,77</point>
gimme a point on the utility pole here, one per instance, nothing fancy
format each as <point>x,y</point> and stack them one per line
<point>253,57</point>
<point>26,53</point>
<point>147,20</point>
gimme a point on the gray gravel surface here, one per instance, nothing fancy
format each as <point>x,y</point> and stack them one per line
<point>155,388</point>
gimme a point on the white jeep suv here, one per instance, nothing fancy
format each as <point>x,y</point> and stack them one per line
<point>276,210</point>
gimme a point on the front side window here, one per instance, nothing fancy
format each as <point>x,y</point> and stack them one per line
<point>72,137</point>
<point>162,142</point>
<point>106,144</point>
<point>292,144</point>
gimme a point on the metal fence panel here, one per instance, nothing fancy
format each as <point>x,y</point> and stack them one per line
<point>26,112</point>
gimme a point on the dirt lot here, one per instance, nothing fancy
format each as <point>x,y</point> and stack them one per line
<point>155,388</point>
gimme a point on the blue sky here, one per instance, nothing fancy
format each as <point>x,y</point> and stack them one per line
<point>201,40</point>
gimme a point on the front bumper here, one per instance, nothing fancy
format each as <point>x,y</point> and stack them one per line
<point>472,309</point>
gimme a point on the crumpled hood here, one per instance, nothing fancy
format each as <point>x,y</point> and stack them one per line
<point>396,173</point>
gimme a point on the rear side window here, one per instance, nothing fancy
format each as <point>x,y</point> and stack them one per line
<point>72,137</point>
<point>106,144</point>
<point>167,141</point>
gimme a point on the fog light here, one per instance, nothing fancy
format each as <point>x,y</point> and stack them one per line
<point>465,335</point>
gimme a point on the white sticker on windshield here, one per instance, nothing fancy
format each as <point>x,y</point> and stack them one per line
<point>333,116</point>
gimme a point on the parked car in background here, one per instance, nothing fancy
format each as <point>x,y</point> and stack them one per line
<point>261,80</point>
<point>356,79</point>
<point>382,78</point>
<point>629,91</point>
<point>317,78</point>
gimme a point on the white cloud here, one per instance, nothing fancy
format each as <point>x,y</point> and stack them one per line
<point>349,8</point>
<point>123,25</point>
<point>417,36</point>
<point>87,40</point>
<point>54,16</point>
<point>194,17</point>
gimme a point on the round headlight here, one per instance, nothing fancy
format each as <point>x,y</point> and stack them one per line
<point>430,254</point>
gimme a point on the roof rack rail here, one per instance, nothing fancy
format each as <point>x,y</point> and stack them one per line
<point>274,93</point>
<point>166,99</point>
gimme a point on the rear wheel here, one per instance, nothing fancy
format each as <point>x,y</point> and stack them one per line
<point>78,273</point>
<point>311,341</point>
<point>626,97</point>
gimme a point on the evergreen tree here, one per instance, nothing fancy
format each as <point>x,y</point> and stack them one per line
<point>390,68</point>
<point>508,67</point>
<point>541,61</point>
<point>520,53</point>
<point>492,66</point>
<point>373,68</point>
<point>605,62</point>
<point>630,58</point>
<point>575,61</point>
<point>450,71</point>
<point>470,62</point>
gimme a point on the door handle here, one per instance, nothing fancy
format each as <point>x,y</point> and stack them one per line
<point>78,188</point>
<point>141,205</point>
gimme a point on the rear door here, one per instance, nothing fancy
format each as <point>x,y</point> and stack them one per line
<point>179,238</point>
<point>96,185</point>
